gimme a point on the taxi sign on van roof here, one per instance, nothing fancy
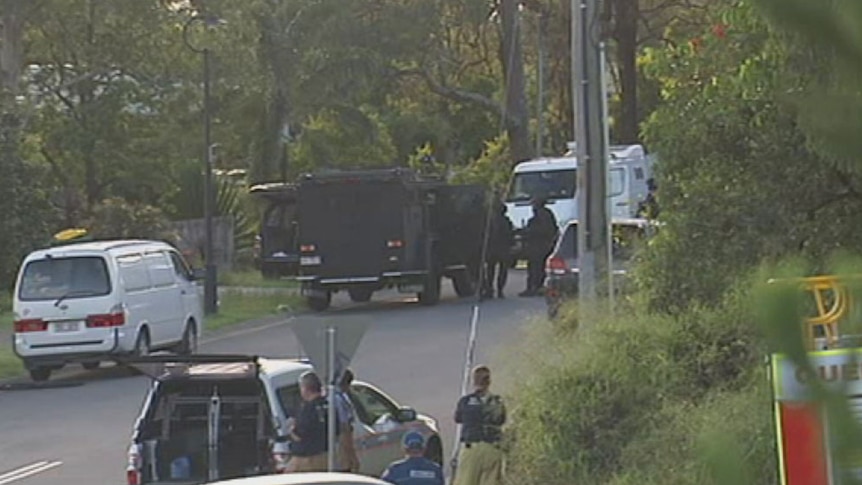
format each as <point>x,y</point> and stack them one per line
<point>68,236</point>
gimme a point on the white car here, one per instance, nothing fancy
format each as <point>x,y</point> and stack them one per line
<point>227,417</point>
<point>306,479</point>
<point>85,302</point>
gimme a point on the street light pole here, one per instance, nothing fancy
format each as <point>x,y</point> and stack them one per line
<point>211,268</point>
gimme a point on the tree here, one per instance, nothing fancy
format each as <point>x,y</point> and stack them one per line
<point>738,182</point>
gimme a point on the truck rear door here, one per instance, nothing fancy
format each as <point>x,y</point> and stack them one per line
<point>354,227</point>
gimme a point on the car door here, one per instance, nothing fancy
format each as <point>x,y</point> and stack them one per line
<point>379,442</point>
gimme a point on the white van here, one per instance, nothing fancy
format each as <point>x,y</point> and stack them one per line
<point>86,301</point>
<point>629,168</point>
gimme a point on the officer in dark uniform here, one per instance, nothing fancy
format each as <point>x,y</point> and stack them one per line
<point>481,416</point>
<point>540,235</point>
<point>499,253</point>
<point>415,469</point>
<point>309,441</point>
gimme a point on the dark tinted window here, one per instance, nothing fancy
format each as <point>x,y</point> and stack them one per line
<point>289,399</point>
<point>75,277</point>
<point>180,266</point>
<point>554,184</point>
<point>370,405</point>
<point>568,247</point>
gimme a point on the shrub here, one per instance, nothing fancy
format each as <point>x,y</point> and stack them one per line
<point>590,400</point>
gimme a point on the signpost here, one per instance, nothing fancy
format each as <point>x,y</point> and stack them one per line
<point>330,347</point>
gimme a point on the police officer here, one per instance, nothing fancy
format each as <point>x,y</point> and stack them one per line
<point>541,234</point>
<point>498,257</point>
<point>414,469</point>
<point>308,444</point>
<point>348,459</point>
<point>481,414</point>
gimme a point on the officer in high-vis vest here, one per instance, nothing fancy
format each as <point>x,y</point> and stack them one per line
<point>481,416</point>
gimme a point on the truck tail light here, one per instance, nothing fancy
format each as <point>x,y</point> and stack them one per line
<point>395,243</point>
<point>30,325</point>
<point>556,265</point>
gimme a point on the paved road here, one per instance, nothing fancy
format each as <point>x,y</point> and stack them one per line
<point>79,435</point>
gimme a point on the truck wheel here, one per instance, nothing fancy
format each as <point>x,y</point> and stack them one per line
<point>269,272</point>
<point>431,294</point>
<point>360,294</point>
<point>320,303</point>
<point>40,374</point>
<point>465,285</point>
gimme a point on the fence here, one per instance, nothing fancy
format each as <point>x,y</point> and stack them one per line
<point>192,240</point>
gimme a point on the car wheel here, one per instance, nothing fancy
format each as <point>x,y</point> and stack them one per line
<point>189,344</point>
<point>464,283</point>
<point>434,450</point>
<point>40,374</point>
<point>90,365</point>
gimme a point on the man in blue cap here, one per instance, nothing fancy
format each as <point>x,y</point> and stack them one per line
<point>414,469</point>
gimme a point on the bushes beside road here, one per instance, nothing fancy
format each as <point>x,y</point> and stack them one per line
<point>636,398</point>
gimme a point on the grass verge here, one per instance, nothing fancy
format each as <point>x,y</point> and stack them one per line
<point>10,365</point>
<point>238,307</point>
<point>253,279</point>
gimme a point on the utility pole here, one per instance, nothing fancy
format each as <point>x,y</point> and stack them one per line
<point>591,149</point>
<point>540,75</point>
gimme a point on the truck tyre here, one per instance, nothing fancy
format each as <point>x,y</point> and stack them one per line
<point>360,294</point>
<point>320,303</point>
<point>465,285</point>
<point>269,271</point>
<point>40,374</point>
<point>431,294</point>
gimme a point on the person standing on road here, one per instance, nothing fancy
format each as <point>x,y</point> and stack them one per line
<point>309,445</point>
<point>541,234</point>
<point>481,416</point>
<point>414,469</point>
<point>348,459</point>
<point>498,255</point>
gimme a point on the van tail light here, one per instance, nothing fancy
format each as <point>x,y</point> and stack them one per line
<point>395,243</point>
<point>30,325</point>
<point>116,318</point>
<point>556,265</point>
<point>133,477</point>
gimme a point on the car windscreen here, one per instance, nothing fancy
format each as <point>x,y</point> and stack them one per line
<point>70,277</point>
<point>552,184</point>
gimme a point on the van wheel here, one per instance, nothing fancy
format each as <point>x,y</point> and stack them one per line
<point>142,345</point>
<point>40,374</point>
<point>91,365</point>
<point>189,345</point>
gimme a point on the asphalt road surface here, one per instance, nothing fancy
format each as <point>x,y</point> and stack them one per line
<point>79,435</point>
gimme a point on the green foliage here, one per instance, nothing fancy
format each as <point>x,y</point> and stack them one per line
<point>595,404</point>
<point>492,169</point>
<point>739,180</point>
<point>115,218</point>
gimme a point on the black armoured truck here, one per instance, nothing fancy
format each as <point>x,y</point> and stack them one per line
<point>363,231</point>
<point>277,250</point>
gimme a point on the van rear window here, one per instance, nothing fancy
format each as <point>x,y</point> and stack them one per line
<point>68,278</point>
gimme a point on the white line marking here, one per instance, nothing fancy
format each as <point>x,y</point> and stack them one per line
<point>245,332</point>
<point>28,471</point>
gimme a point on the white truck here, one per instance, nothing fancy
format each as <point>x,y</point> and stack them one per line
<point>555,178</point>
